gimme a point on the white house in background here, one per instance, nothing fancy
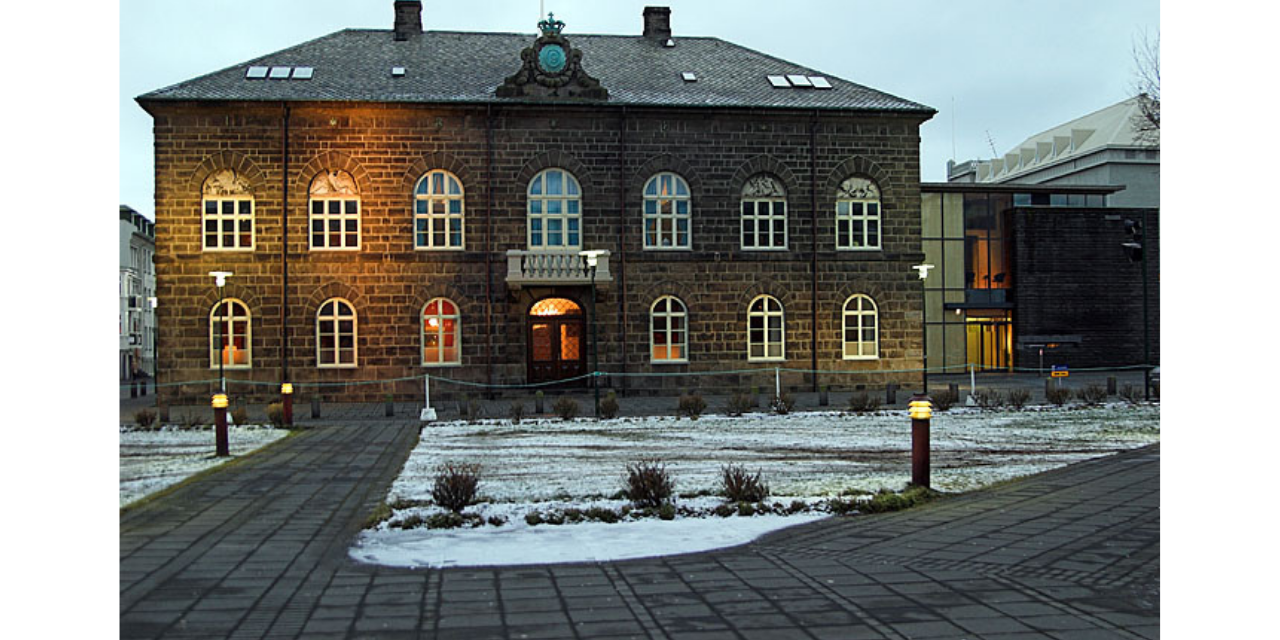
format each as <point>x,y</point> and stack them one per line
<point>1100,149</point>
<point>137,294</point>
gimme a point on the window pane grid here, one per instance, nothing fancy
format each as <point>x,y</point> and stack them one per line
<point>438,211</point>
<point>766,332</point>
<point>858,224</point>
<point>440,333</point>
<point>666,212</point>
<point>764,224</point>
<point>229,335</point>
<point>228,223</point>
<point>860,336</point>
<point>335,223</point>
<point>336,334</point>
<point>667,330</point>
<point>555,210</point>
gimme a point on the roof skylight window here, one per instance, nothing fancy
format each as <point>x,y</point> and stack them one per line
<point>799,81</point>
<point>819,82</point>
<point>689,77</point>
<point>255,72</point>
<point>303,73</point>
<point>280,73</point>
<point>779,81</point>
<point>397,71</point>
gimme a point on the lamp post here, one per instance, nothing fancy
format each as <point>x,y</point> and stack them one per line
<point>923,270</point>
<point>220,398</point>
<point>592,259</point>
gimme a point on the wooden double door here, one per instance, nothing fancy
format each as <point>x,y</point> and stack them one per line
<point>557,340</point>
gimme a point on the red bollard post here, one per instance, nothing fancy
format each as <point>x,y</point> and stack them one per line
<point>223,449</point>
<point>921,410</point>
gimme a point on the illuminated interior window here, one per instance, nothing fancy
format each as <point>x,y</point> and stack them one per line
<point>229,334</point>
<point>336,334</point>
<point>666,212</point>
<point>764,213</point>
<point>438,211</point>
<point>861,338</point>
<point>669,330</point>
<point>766,324</point>
<point>226,212</point>
<point>858,215</point>
<point>555,307</point>
<point>334,211</point>
<point>441,333</point>
<point>555,211</point>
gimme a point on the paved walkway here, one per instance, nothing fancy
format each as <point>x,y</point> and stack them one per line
<point>258,550</point>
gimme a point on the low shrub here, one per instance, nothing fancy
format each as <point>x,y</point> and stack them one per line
<point>516,413</point>
<point>608,408</point>
<point>144,418</point>
<point>601,514</point>
<point>1093,394</point>
<point>533,518</point>
<point>275,414</point>
<point>739,485</point>
<point>1057,395</point>
<point>192,420</point>
<point>886,501</point>
<point>1018,398</point>
<point>240,415</point>
<point>990,398</point>
<point>381,513</point>
<point>862,402</point>
<point>667,512</point>
<point>566,407</point>
<point>1131,394</point>
<point>455,485</point>
<point>739,403</point>
<point>944,399</point>
<point>649,484</point>
<point>497,521</point>
<point>782,404</point>
<point>691,405</point>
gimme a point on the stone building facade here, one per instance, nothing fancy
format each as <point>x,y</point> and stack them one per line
<point>397,203</point>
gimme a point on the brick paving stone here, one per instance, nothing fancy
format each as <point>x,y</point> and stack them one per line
<point>259,550</point>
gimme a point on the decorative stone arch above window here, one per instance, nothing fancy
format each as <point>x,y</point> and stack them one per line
<point>333,206</point>
<point>554,159</point>
<point>763,185</point>
<point>858,215</point>
<point>328,163</point>
<point>858,188</point>
<point>853,167</point>
<point>227,204</point>
<point>226,182</point>
<point>438,160</point>
<point>763,165</point>
<point>247,175</point>
<point>332,290</point>
<point>658,164</point>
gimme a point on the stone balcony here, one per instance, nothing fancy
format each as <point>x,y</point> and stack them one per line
<point>554,268</point>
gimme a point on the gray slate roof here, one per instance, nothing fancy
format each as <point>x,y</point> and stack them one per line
<point>466,67</point>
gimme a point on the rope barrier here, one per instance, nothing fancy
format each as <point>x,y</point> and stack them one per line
<point>634,374</point>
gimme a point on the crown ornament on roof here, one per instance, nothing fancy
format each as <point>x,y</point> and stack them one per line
<point>551,26</point>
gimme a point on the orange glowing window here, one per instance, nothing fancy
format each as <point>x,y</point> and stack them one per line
<point>668,322</point>
<point>555,307</point>
<point>229,332</point>
<point>441,326</point>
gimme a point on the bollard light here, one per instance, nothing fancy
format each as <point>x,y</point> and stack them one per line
<point>222,446</point>
<point>286,388</point>
<point>219,401</point>
<point>920,409</point>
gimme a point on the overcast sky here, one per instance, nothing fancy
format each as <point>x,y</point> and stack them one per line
<point>997,71</point>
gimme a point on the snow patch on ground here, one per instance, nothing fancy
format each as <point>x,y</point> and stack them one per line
<point>544,464</point>
<point>153,460</point>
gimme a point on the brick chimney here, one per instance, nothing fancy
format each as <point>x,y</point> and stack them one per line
<point>657,24</point>
<point>408,19</point>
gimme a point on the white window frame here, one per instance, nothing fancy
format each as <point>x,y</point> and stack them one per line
<point>439,192</point>
<point>678,338</point>
<point>762,198</point>
<point>334,318</point>
<point>539,221</point>
<point>766,316</point>
<point>858,204</point>
<point>866,308</point>
<point>328,189</point>
<point>440,317</point>
<point>664,196</point>
<point>226,187</point>
<point>217,314</point>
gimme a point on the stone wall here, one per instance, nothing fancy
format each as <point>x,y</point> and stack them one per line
<point>612,152</point>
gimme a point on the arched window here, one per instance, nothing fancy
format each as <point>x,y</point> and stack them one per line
<point>858,215</point>
<point>669,330</point>
<point>861,319</point>
<point>441,333</point>
<point>335,211</point>
<point>229,335</point>
<point>226,212</point>
<point>764,213</point>
<point>666,212</point>
<point>336,334</point>
<point>555,211</point>
<point>438,211</point>
<point>766,329</point>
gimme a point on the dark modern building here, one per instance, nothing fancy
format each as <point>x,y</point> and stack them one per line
<point>486,207</point>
